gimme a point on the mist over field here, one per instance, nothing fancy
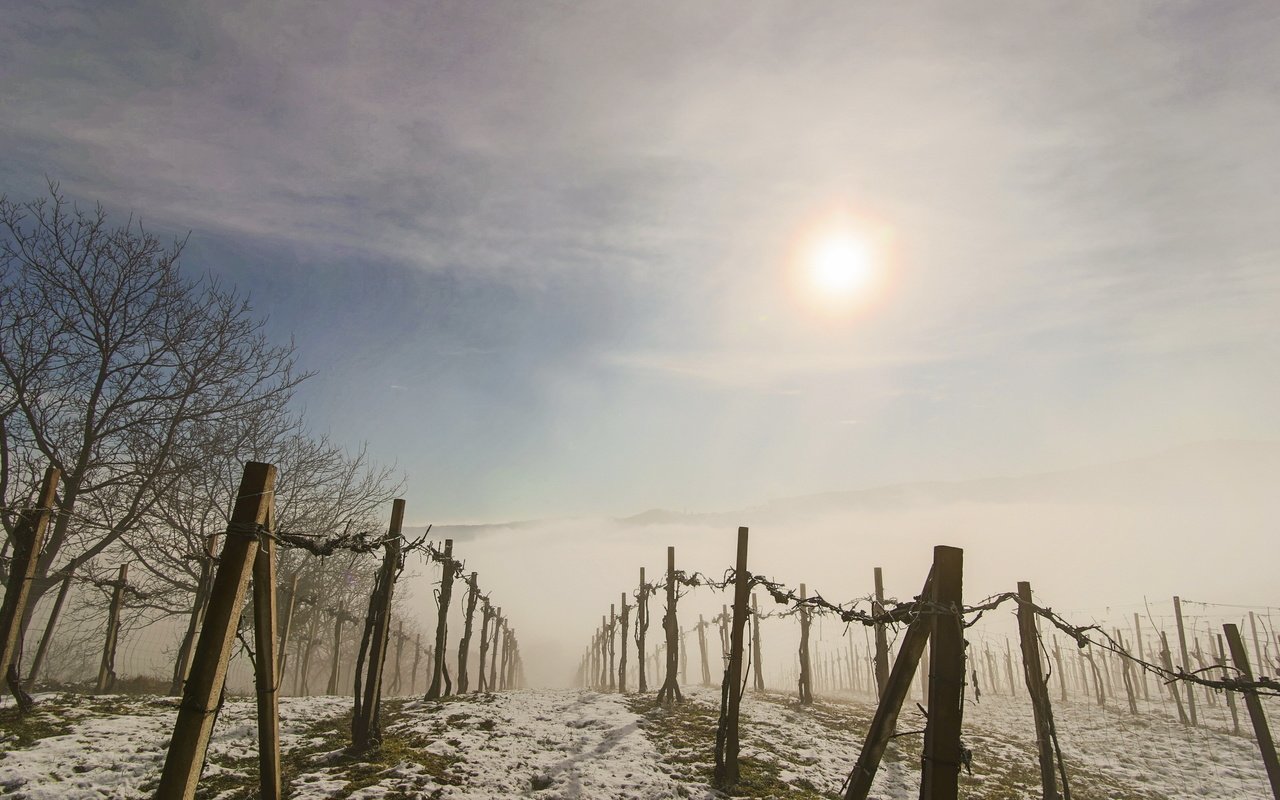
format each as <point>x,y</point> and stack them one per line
<point>1086,538</point>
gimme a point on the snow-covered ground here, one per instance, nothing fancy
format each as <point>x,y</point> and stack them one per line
<point>582,744</point>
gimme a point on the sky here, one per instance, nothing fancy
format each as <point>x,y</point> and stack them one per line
<point>543,256</point>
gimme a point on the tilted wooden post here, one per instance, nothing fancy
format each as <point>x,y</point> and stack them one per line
<point>366,730</point>
<point>464,646</point>
<point>882,640</point>
<point>417,656</point>
<point>397,675</point>
<point>107,667</point>
<point>805,681</point>
<point>34,674</point>
<point>670,691</point>
<point>1167,658</point>
<point>613,630</point>
<point>202,693</point>
<point>726,770</point>
<point>1261,732</point>
<point>1142,673</point>
<point>1037,686</point>
<point>642,627</point>
<point>338,619</point>
<point>1231,696</point>
<point>896,687</point>
<point>940,773</point>
<point>442,620</point>
<point>28,537</point>
<point>702,649</point>
<point>266,681</point>
<point>493,656</point>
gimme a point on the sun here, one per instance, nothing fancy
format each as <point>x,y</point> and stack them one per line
<point>840,264</point>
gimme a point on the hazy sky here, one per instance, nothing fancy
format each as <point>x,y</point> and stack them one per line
<point>541,252</point>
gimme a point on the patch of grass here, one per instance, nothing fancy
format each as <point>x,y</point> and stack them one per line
<point>49,718</point>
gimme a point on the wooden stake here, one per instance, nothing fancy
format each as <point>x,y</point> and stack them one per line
<point>265,663</point>
<point>726,770</point>
<point>804,682</point>
<point>622,658</point>
<point>287,626</point>
<point>943,756</point>
<point>442,620</point>
<point>882,641</point>
<point>1186,659</point>
<point>670,691</point>
<point>885,720</point>
<point>757,661</point>
<point>1261,732</point>
<point>1038,687</point>
<point>107,668</point>
<point>464,646</point>
<point>48,632</point>
<point>1231,696</point>
<point>198,602</point>
<point>702,649</point>
<point>203,690</point>
<point>642,626</point>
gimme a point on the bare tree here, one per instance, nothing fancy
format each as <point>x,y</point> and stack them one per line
<point>117,369</point>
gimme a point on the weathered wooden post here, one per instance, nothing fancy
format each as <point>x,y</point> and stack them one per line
<point>702,649</point>
<point>726,769</point>
<point>203,689</point>
<point>886,717</point>
<point>1129,690</point>
<point>1167,659</point>
<point>266,684</point>
<point>396,677</point>
<point>339,616</point>
<point>642,626</point>
<point>49,627</point>
<point>670,691</point>
<point>442,620</point>
<point>1186,659</point>
<point>757,661</point>
<point>107,668</point>
<point>1062,679</point>
<point>882,640</point>
<point>486,614</point>
<point>464,646</point>
<point>1231,697</point>
<point>940,774</point>
<point>366,728</point>
<point>493,656</point>
<point>622,642</point>
<point>1261,732</point>
<point>804,682</point>
<point>417,657</point>
<point>1038,687</point>
<point>613,630</point>
<point>28,538</point>
<point>1142,673</point>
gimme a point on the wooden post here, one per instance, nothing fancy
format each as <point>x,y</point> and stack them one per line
<point>493,656</point>
<point>338,618</point>
<point>265,664</point>
<point>49,627</point>
<point>757,661</point>
<point>1257,648</point>
<point>1259,718</point>
<point>1186,659</point>
<point>203,690</point>
<point>702,649</point>
<point>939,776</point>
<point>886,717</point>
<point>28,538</point>
<point>486,614</point>
<point>1167,658</point>
<point>670,690</point>
<point>613,653</point>
<point>442,620</point>
<point>805,682</point>
<point>1126,675</point>
<point>1038,687</point>
<point>1231,696</point>
<point>397,676</point>
<point>107,668</point>
<point>366,726</point>
<point>882,641</point>
<point>726,770</point>
<point>642,626</point>
<point>464,646</point>
<point>1142,673</point>
<point>622,659</point>
<point>417,656</point>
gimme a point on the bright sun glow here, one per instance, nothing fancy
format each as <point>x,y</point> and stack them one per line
<point>840,265</point>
